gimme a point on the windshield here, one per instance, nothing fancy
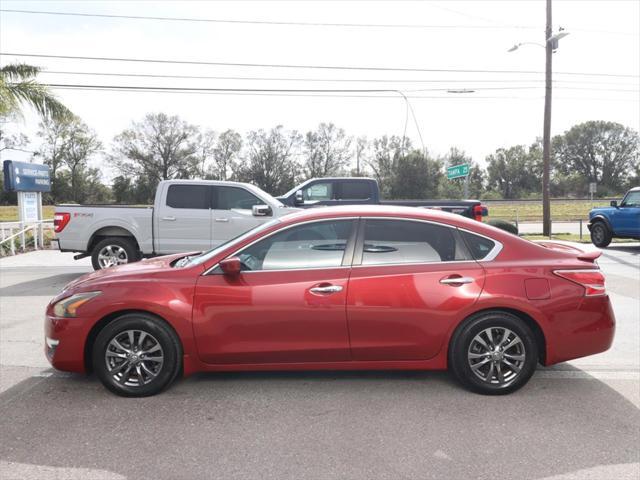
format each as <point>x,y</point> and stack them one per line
<point>203,257</point>
<point>262,194</point>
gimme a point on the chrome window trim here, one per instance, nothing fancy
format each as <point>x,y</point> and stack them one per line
<point>236,252</point>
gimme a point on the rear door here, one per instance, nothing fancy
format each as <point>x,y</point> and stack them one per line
<point>184,220</point>
<point>232,213</point>
<point>409,283</point>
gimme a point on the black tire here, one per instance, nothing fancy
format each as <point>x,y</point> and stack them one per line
<point>498,323</point>
<point>600,235</point>
<point>118,244</point>
<point>156,331</point>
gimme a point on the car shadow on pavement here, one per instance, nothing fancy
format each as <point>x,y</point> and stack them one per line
<point>633,250</point>
<point>370,425</point>
<point>45,286</point>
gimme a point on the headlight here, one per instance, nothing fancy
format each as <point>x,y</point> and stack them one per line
<point>67,307</point>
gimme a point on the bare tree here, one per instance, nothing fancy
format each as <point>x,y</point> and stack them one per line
<point>270,162</point>
<point>225,154</point>
<point>80,143</point>
<point>327,151</point>
<point>161,147</point>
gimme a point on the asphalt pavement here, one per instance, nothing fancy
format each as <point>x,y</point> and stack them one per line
<point>576,420</point>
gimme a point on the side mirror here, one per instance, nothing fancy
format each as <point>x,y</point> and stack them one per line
<point>231,266</point>
<point>299,198</point>
<point>261,210</point>
<point>614,203</point>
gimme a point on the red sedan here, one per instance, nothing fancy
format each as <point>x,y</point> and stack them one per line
<point>336,289</point>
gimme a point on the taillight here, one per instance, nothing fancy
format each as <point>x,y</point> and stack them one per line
<point>60,221</point>
<point>591,280</point>
<point>480,211</point>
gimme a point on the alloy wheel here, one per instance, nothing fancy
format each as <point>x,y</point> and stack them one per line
<point>134,358</point>
<point>496,355</point>
<point>112,255</point>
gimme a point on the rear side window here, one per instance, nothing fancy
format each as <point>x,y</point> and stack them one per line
<point>401,241</point>
<point>479,246</point>
<point>189,196</point>
<point>234,197</point>
<point>354,191</point>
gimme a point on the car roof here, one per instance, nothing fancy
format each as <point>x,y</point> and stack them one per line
<point>634,189</point>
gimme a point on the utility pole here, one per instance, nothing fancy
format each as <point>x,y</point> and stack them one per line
<point>546,131</point>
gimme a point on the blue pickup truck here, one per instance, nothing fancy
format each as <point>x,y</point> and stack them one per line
<point>616,221</point>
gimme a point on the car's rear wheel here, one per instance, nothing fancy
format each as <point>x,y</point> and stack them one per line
<point>113,251</point>
<point>493,353</point>
<point>137,355</point>
<point>600,235</point>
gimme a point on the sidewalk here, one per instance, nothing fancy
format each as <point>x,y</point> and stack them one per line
<point>44,258</point>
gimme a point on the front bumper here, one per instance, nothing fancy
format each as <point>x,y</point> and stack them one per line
<point>64,343</point>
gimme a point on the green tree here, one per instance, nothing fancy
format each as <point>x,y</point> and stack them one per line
<point>160,147</point>
<point>18,87</point>
<point>415,176</point>
<point>516,171</point>
<point>327,151</point>
<point>225,155</point>
<point>386,151</point>
<point>601,152</point>
<point>270,162</point>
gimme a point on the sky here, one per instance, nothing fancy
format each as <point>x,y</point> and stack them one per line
<point>400,46</point>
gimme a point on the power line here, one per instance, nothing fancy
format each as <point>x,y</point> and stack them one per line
<point>324,80</point>
<point>348,93</point>
<point>269,22</point>
<point>321,67</point>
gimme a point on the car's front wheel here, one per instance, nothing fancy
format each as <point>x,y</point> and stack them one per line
<point>600,235</point>
<point>493,353</point>
<point>137,355</point>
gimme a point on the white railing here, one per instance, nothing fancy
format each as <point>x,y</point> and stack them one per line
<point>13,235</point>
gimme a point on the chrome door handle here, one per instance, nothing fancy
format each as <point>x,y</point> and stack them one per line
<point>456,281</point>
<point>326,289</point>
<point>169,219</point>
<point>222,220</point>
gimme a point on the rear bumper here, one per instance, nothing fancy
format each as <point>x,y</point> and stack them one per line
<point>64,343</point>
<point>586,331</point>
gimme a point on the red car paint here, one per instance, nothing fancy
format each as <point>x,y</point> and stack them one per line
<point>385,317</point>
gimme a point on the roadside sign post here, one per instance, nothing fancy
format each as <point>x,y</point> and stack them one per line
<point>28,180</point>
<point>593,187</point>
<point>457,171</point>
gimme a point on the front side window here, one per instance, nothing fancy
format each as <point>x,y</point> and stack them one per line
<point>318,192</point>
<point>235,197</point>
<point>632,199</point>
<point>313,245</point>
<point>401,241</point>
<point>189,196</point>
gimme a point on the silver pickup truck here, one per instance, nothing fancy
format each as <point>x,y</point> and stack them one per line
<point>187,215</point>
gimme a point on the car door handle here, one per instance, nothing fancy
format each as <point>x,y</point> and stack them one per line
<point>456,280</point>
<point>169,219</point>
<point>326,289</point>
<point>221,220</point>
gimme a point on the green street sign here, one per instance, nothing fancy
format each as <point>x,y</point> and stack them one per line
<point>458,171</point>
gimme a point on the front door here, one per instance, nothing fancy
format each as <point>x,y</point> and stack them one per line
<point>286,306</point>
<point>232,213</point>
<point>413,280</point>
<point>627,221</point>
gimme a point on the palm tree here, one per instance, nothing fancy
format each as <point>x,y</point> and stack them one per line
<point>18,86</point>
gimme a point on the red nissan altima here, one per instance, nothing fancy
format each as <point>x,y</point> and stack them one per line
<point>338,288</point>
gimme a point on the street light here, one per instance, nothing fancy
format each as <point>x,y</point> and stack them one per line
<point>550,47</point>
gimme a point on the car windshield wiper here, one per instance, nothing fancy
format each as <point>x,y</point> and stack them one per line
<point>184,261</point>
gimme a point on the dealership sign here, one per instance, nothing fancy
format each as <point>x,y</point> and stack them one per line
<point>26,177</point>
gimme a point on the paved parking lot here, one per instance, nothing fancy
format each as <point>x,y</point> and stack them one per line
<point>577,420</point>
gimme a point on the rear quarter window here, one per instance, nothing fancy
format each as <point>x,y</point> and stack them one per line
<point>480,247</point>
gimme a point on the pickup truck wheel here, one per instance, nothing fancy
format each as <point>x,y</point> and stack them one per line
<point>113,251</point>
<point>600,235</point>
